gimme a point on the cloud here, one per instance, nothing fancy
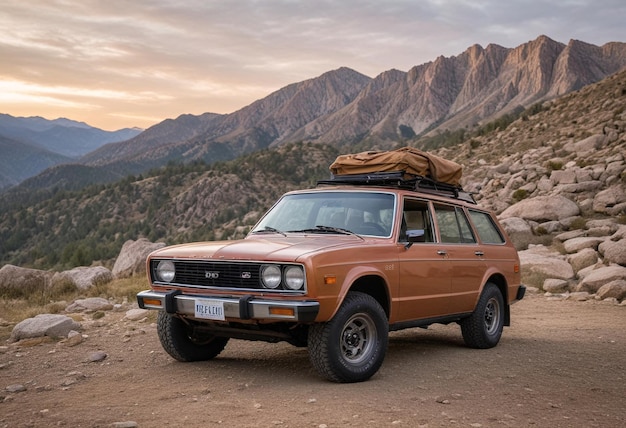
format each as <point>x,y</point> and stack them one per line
<point>160,58</point>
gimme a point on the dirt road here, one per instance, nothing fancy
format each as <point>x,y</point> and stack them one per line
<point>561,364</point>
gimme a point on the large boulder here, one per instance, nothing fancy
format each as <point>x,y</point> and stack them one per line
<point>17,281</point>
<point>84,277</point>
<point>519,231</point>
<point>542,261</point>
<point>52,325</point>
<point>582,259</point>
<point>614,251</point>
<point>132,258</point>
<point>614,289</point>
<point>576,244</point>
<point>599,277</point>
<point>542,208</point>
<point>606,199</point>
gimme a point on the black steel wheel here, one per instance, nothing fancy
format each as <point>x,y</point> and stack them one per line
<point>483,328</point>
<point>350,347</point>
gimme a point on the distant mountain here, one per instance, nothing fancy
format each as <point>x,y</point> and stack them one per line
<point>32,144</point>
<point>347,109</point>
<point>21,160</point>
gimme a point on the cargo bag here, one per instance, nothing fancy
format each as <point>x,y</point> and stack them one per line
<point>409,160</point>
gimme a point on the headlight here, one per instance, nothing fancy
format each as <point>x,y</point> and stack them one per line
<point>270,276</point>
<point>165,271</point>
<point>294,277</point>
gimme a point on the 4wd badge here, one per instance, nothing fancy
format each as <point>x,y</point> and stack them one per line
<point>211,275</point>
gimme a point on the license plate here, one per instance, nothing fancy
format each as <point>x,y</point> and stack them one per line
<point>209,309</point>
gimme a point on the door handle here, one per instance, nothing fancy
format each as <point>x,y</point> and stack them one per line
<point>442,252</point>
<point>479,253</point>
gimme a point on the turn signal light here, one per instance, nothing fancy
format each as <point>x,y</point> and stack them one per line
<point>330,280</point>
<point>285,312</point>
<point>152,302</point>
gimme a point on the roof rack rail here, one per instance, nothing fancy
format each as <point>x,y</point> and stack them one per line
<point>401,180</point>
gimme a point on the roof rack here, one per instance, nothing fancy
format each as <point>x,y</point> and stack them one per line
<point>401,180</point>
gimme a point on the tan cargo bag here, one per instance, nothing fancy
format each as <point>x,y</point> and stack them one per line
<point>407,159</point>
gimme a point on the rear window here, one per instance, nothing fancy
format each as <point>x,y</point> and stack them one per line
<point>485,227</point>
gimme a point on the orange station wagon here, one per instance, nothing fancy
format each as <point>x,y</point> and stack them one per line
<point>335,269</point>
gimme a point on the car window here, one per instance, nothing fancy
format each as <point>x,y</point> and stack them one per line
<point>416,221</point>
<point>486,228</point>
<point>454,226</point>
<point>364,213</point>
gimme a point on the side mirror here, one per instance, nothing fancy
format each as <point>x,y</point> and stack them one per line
<point>415,235</point>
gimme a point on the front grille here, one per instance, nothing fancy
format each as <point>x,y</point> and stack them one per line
<point>210,274</point>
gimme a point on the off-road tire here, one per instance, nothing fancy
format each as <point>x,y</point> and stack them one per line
<point>483,328</point>
<point>351,346</point>
<point>179,340</point>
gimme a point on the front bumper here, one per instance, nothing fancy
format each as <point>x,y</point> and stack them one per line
<point>245,307</point>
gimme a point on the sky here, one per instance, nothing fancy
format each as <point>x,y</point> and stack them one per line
<point>134,63</point>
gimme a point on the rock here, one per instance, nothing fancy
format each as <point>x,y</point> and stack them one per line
<point>132,257</point>
<point>576,244</point>
<point>607,198</point>
<point>570,235</point>
<point>84,277</point>
<point>542,208</point>
<point>17,281</point>
<point>614,289</point>
<point>125,424</point>
<point>590,144</point>
<point>15,388</point>
<point>540,260</point>
<point>582,259</point>
<point>614,252</point>
<point>136,314</point>
<point>519,231</point>
<point>90,304</point>
<point>552,285</point>
<point>97,356</point>
<point>73,338</point>
<point>51,325</point>
<point>599,277</point>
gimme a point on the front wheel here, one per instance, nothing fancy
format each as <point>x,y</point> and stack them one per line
<point>183,344</point>
<point>483,328</point>
<point>350,347</point>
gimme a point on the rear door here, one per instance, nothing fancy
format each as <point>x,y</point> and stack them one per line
<point>466,258</point>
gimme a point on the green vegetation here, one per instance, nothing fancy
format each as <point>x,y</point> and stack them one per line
<point>180,202</point>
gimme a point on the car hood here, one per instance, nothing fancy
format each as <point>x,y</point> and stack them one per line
<point>274,248</point>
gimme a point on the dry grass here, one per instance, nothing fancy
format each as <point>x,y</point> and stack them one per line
<point>55,300</point>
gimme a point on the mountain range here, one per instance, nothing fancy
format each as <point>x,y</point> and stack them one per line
<point>30,145</point>
<point>347,109</point>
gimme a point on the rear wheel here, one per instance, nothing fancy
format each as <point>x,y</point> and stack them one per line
<point>350,347</point>
<point>483,328</point>
<point>183,343</point>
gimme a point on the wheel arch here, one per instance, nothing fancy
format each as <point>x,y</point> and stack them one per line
<point>500,281</point>
<point>376,287</point>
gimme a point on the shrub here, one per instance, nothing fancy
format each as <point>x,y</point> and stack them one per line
<point>520,194</point>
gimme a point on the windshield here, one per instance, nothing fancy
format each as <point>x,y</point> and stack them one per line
<point>362,213</point>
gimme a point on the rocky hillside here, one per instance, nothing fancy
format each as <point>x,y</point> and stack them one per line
<point>347,109</point>
<point>557,178</point>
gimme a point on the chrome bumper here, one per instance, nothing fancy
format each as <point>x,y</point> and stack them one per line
<point>244,307</point>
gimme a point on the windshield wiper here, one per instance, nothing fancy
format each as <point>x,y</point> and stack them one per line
<point>269,229</point>
<point>327,229</point>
